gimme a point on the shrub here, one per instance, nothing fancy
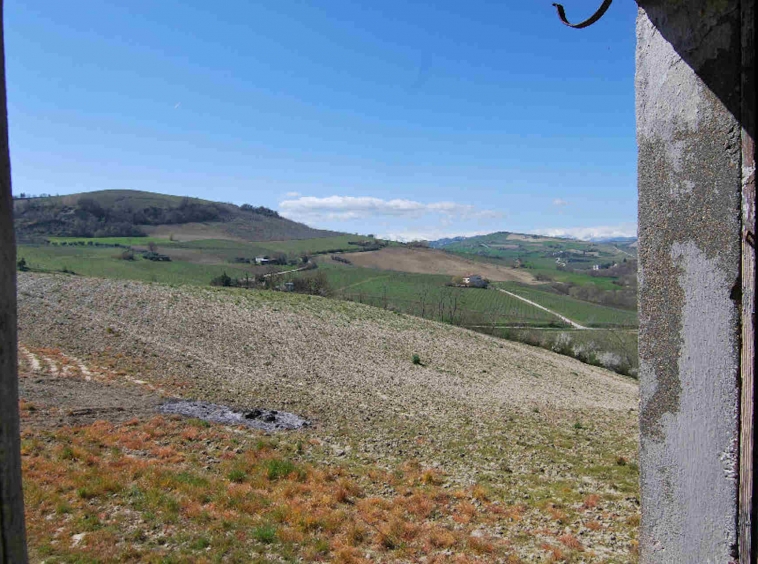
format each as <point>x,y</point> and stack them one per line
<point>21,265</point>
<point>417,360</point>
<point>126,255</point>
<point>200,543</point>
<point>265,534</point>
<point>314,284</point>
<point>151,255</point>
<point>341,259</point>
<point>277,468</point>
<point>223,280</point>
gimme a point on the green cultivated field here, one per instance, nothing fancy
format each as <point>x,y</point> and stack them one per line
<point>101,262</point>
<point>294,248</point>
<point>584,313</point>
<point>340,243</point>
<point>427,295</point>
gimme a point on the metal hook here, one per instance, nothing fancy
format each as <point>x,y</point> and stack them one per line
<point>586,23</point>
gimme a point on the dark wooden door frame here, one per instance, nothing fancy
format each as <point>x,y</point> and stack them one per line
<point>12,528</point>
<point>747,518</point>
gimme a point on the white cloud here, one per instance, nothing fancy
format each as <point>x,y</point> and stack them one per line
<point>292,195</point>
<point>585,233</point>
<point>342,208</point>
<point>428,235</point>
<point>560,202</point>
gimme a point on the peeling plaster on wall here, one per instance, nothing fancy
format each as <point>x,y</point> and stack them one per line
<point>709,320</point>
<point>701,204</point>
<point>662,81</point>
<point>698,515</point>
<point>688,70</point>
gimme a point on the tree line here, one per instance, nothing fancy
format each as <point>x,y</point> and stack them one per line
<point>90,218</point>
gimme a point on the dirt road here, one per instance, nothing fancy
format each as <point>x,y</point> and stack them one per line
<point>573,324</point>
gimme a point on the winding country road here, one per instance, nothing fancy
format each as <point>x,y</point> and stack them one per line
<point>574,324</point>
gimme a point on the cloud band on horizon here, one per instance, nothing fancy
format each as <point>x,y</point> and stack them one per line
<point>331,208</point>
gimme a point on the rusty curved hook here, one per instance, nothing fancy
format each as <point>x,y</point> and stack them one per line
<point>586,23</point>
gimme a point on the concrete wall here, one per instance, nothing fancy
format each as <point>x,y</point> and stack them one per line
<point>687,82</point>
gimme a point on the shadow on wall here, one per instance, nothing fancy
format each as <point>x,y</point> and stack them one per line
<point>702,33</point>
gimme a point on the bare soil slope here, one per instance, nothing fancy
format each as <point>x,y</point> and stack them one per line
<point>539,430</point>
<point>432,261</point>
<point>334,362</point>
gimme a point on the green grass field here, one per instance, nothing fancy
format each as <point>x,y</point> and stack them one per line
<point>584,313</point>
<point>294,248</point>
<point>426,295</point>
<point>208,251</point>
<point>101,262</point>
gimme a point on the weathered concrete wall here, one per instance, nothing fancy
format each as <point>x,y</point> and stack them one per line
<point>688,76</point>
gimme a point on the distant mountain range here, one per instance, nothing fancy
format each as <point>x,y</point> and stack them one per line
<point>442,243</point>
<point>132,213</point>
<point>620,240</point>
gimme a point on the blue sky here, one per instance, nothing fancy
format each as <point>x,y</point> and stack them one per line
<point>412,119</point>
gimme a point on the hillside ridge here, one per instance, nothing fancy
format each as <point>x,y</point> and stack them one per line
<point>134,213</point>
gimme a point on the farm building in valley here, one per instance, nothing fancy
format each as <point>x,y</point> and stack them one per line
<point>474,281</point>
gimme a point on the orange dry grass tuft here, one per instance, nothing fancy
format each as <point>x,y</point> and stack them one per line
<point>511,513</point>
<point>570,541</point>
<point>26,408</point>
<point>480,493</point>
<point>420,506</point>
<point>591,501</point>
<point>594,525</point>
<point>481,545</point>
<point>348,555</point>
<point>441,538</point>
<point>556,514</point>
<point>556,554</point>
<point>432,477</point>
<point>465,512</point>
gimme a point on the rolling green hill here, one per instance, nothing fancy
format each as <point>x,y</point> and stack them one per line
<point>130,213</point>
<point>543,252</point>
<point>601,272</point>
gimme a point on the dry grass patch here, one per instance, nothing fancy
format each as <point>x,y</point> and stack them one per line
<point>166,489</point>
